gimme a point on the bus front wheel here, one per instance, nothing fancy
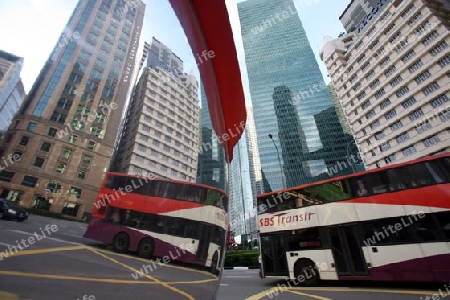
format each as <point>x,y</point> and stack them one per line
<point>306,273</point>
<point>146,248</point>
<point>121,242</point>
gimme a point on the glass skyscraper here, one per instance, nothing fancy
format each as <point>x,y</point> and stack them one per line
<point>290,98</point>
<point>211,158</point>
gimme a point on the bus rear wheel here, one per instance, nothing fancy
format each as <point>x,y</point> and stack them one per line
<point>146,248</point>
<point>306,273</point>
<point>214,261</point>
<point>121,242</point>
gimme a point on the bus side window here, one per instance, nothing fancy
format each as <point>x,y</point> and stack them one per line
<point>421,174</point>
<point>444,163</point>
<point>102,210</point>
<point>425,229</point>
<point>133,219</point>
<point>224,202</point>
<point>212,197</point>
<point>435,171</point>
<point>359,186</point>
<point>329,192</point>
<point>443,219</point>
<point>400,179</point>
<point>114,182</point>
<point>395,183</point>
<point>115,215</point>
<point>143,187</point>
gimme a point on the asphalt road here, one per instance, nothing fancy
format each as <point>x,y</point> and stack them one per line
<point>64,265</point>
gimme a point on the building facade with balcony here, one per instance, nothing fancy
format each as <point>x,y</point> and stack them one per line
<point>393,81</point>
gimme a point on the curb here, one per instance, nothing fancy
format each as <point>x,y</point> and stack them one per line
<point>240,268</point>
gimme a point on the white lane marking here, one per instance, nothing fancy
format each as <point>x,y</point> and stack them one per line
<point>4,244</point>
<point>50,238</point>
<point>237,276</point>
<point>74,235</point>
<point>63,241</point>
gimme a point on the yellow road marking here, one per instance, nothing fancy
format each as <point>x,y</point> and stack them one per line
<point>275,291</point>
<point>68,277</point>
<point>9,296</point>
<point>309,295</point>
<point>47,250</point>
<point>190,282</point>
<point>299,291</point>
<point>159,263</point>
<point>373,290</point>
<point>106,280</point>
<point>166,285</point>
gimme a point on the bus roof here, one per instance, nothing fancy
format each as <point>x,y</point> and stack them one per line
<point>167,180</point>
<point>357,174</point>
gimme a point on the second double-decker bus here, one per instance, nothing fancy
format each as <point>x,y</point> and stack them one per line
<point>386,224</point>
<point>183,221</point>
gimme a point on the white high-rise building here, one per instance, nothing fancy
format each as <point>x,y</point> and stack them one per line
<point>393,81</point>
<point>161,132</point>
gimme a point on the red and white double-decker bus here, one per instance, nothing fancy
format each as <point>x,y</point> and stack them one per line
<point>386,224</point>
<point>184,221</point>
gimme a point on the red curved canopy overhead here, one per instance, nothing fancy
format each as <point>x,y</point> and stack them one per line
<point>207,27</point>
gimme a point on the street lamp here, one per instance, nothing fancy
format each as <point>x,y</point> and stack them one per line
<point>354,139</point>
<point>279,161</point>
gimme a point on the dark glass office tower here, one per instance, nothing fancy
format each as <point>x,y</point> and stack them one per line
<point>211,158</point>
<point>64,134</point>
<point>289,97</point>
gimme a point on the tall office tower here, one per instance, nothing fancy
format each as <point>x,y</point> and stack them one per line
<point>339,110</point>
<point>252,146</point>
<point>242,209</point>
<point>63,136</point>
<point>211,168</point>
<point>287,90</point>
<point>393,81</point>
<point>245,180</point>
<point>11,88</point>
<point>160,135</point>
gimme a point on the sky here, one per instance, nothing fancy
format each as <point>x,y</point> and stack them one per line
<point>31,28</point>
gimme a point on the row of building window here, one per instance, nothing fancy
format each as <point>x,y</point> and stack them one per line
<point>410,101</point>
<point>31,181</point>
<point>163,167</point>
<point>183,176</point>
<point>433,35</point>
<point>401,92</point>
<point>428,142</point>
<point>52,132</point>
<point>167,138</point>
<point>143,148</point>
<point>45,147</point>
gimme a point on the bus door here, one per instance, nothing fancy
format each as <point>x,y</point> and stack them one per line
<point>347,251</point>
<point>273,255</point>
<point>204,238</point>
